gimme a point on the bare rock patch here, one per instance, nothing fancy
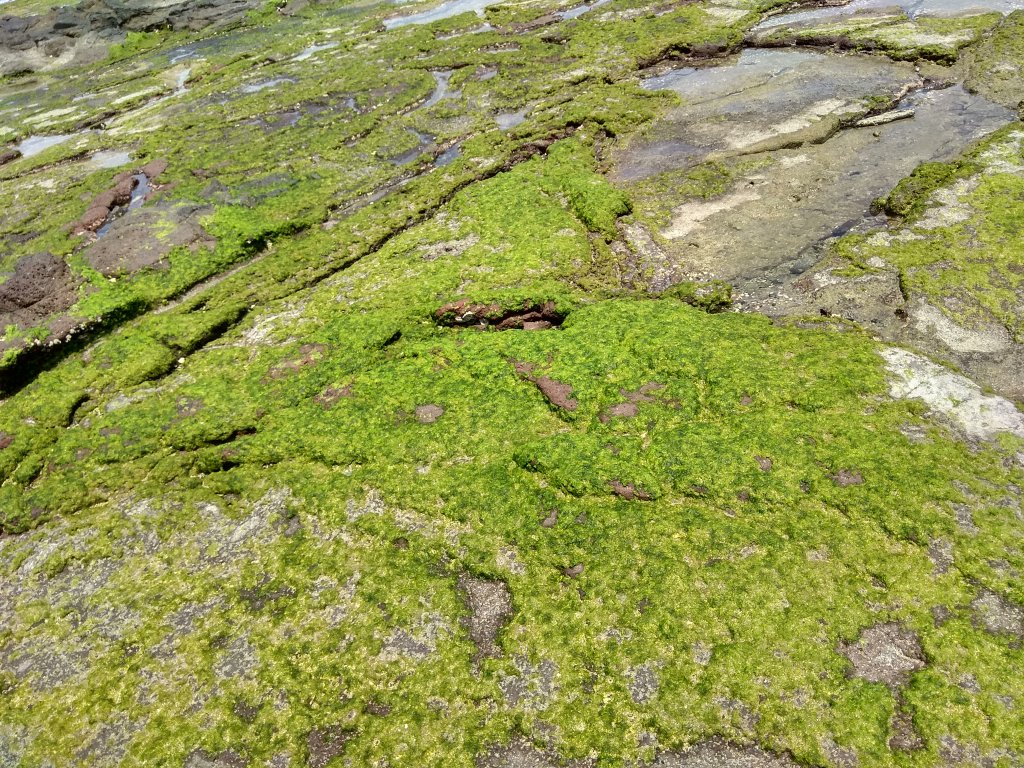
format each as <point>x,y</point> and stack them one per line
<point>998,615</point>
<point>718,753</point>
<point>885,653</point>
<point>490,607</point>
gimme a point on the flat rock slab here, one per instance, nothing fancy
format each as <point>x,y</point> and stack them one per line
<point>765,99</point>
<point>761,234</point>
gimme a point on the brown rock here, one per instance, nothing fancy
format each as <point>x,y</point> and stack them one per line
<point>154,168</point>
<point>629,491</point>
<point>557,393</point>
<point>847,477</point>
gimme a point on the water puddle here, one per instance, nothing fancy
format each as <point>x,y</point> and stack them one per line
<point>424,141</point>
<point>442,88</point>
<point>444,11</point>
<point>109,158</point>
<point>764,99</point>
<point>449,155</point>
<point>913,8</point>
<point>313,50</point>
<point>264,84</point>
<point>508,120</point>
<point>579,10</point>
<point>33,145</point>
<point>138,197</point>
<point>181,80</point>
<point>475,30</point>
<point>769,226</point>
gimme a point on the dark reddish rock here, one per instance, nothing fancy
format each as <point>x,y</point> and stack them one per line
<point>619,411</point>
<point>5,440</point>
<point>573,571</point>
<point>8,156</point>
<point>309,355</point>
<point>463,313</point>
<point>378,708</point>
<point>847,477</point>
<point>905,737</point>
<point>764,463</point>
<point>331,395</point>
<point>557,393</point>
<point>643,394</point>
<point>144,239</point>
<point>154,168</point>
<point>41,285</point>
<point>629,491</point>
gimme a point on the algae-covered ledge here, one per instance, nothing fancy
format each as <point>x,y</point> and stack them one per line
<point>511,385</point>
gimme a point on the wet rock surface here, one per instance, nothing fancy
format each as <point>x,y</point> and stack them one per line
<point>82,33</point>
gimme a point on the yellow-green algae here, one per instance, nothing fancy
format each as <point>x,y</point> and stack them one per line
<point>243,521</point>
<point>224,575</point>
<point>961,242</point>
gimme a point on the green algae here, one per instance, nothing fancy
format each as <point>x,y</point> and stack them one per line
<point>960,241</point>
<point>933,38</point>
<point>994,63</point>
<point>243,521</point>
<point>732,579</point>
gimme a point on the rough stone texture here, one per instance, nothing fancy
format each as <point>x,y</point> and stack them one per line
<point>522,754</point>
<point>82,33</point>
<point>885,653</point>
<point>643,683</point>
<point>326,743</point>
<point>718,753</point>
<point>41,285</point>
<point>490,607</point>
<point>144,238</point>
<point>428,414</point>
<point>952,396</point>
<point>998,615</point>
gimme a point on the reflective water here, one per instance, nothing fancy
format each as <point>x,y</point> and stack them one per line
<point>444,11</point>
<point>912,8</point>
<point>138,197</point>
<point>508,120</point>
<point>313,50</point>
<point>579,10</point>
<point>110,158</point>
<point>263,85</point>
<point>33,145</point>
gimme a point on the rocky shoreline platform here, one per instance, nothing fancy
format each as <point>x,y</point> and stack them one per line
<point>512,384</point>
